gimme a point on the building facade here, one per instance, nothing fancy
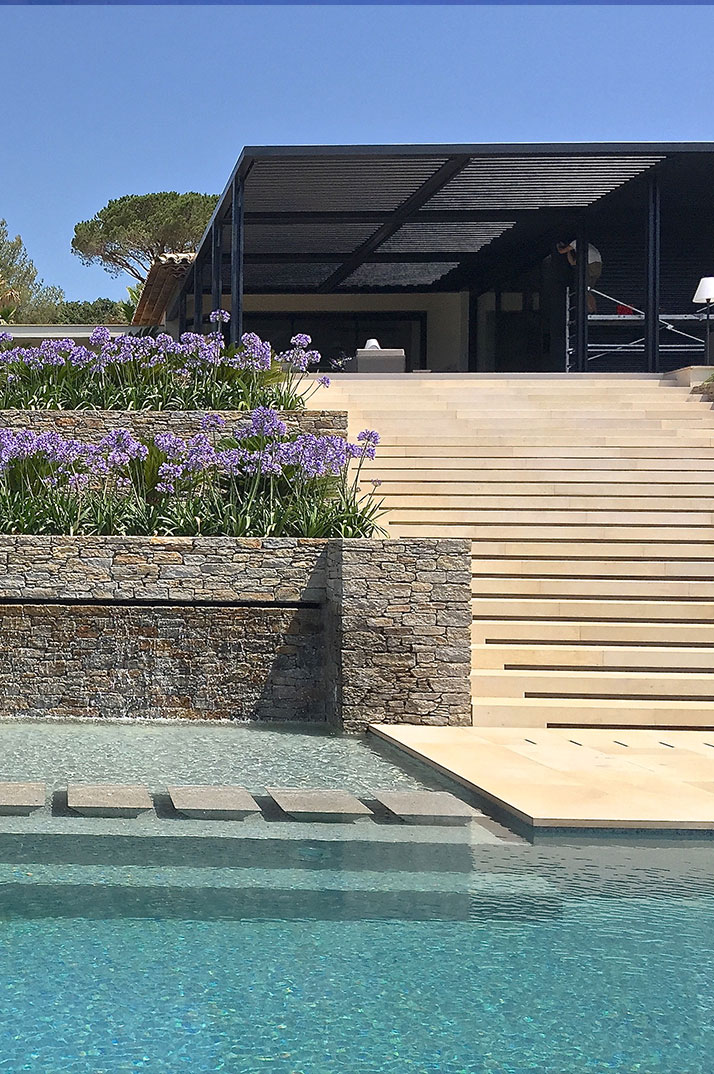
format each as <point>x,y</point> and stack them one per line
<point>465,256</point>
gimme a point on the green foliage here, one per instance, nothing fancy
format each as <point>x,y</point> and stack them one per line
<point>129,305</point>
<point>131,232</point>
<point>39,497</point>
<point>100,311</point>
<point>138,385</point>
<point>24,298</point>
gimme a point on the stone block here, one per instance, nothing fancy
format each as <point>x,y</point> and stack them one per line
<point>319,805</point>
<point>213,803</point>
<point>426,807</point>
<point>21,798</point>
<point>108,799</point>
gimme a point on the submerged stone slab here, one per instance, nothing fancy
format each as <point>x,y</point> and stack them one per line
<point>318,805</point>
<point>426,807</point>
<point>21,798</point>
<point>108,799</point>
<point>213,803</point>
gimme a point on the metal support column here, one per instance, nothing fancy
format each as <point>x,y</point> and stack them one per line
<point>237,259</point>
<point>182,314</point>
<point>581,301</point>
<point>652,275</point>
<point>197,296</point>
<point>216,274</point>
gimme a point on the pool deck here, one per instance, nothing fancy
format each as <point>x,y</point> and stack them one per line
<point>572,777</point>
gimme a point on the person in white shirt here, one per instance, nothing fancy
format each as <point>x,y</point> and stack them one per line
<point>594,271</point>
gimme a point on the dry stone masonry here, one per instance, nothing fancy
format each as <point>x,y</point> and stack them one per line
<point>90,425</point>
<point>346,632</point>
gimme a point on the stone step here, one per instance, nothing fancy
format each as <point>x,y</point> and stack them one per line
<point>319,805</point>
<point>561,516</point>
<point>503,409</point>
<point>579,608</point>
<point>475,503</point>
<point>649,588</point>
<point>527,655</point>
<point>547,632</point>
<point>679,437</point>
<point>615,569</point>
<point>584,551</point>
<point>536,421</point>
<point>425,468</point>
<point>586,712</point>
<point>366,396</point>
<point>542,531</point>
<point>601,684</point>
<point>450,486</point>
<point>537,455</point>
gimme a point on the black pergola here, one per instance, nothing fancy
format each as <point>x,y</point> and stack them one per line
<point>349,219</point>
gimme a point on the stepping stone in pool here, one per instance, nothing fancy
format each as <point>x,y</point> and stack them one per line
<point>21,799</point>
<point>324,805</point>
<point>426,807</point>
<point>108,799</point>
<point>213,803</point>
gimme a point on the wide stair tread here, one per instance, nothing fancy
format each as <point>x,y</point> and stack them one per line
<point>588,503</point>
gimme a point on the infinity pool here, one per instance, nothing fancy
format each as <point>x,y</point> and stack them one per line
<point>364,955</point>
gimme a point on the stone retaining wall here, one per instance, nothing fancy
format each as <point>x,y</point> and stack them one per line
<point>92,424</point>
<point>187,661</point>
<point>344,631</point>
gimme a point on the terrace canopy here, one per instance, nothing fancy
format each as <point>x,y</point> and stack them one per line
<point>349,220</point>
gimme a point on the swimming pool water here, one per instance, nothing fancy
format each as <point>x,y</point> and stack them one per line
<point>469,960</point>
<point>158,754</point>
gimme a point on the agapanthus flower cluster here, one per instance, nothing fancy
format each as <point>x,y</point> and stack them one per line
<point>263,446</point>
<point>300,357</point>
<point>259,479</point>
<point>129,372</point>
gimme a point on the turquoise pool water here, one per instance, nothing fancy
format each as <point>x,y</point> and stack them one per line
<point>158,754</point>
<point>299,956</point>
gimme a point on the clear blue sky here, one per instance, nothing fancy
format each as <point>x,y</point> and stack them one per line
<point>104,101</point>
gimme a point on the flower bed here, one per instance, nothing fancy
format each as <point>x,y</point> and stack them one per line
<point>196,372</point>
<point>258,480</point>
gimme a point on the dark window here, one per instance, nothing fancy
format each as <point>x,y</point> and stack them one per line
<point>335,335</point>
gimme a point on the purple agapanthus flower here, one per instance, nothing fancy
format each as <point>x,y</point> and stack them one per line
<point>212,421</point>
<point>122,447</point>
<point>267,422</point>
<point>172,446</point>
<point>254,353</point>
<point>219,316</point>
<point>100,336</point>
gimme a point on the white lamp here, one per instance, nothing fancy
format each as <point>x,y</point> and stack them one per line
<point>373,345</point>
<point>704,295</point>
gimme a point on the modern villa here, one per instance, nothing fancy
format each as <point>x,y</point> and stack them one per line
<point>548,417</point>
<point>367,727</point>
<point>455,253</point>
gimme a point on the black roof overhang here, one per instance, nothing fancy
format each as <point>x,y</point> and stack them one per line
<point>322,219</point>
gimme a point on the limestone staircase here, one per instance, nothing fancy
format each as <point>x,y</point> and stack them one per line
<point>590,504</point>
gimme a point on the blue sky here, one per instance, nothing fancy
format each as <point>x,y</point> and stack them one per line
<point>104,101</point>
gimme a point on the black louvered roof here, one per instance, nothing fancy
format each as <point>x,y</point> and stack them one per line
<point>341,218</point>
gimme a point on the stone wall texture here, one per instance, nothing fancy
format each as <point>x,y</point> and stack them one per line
<point>344,631</point>
<point>90,425</point>
<point>401,611</point>
<point>180,661</point>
